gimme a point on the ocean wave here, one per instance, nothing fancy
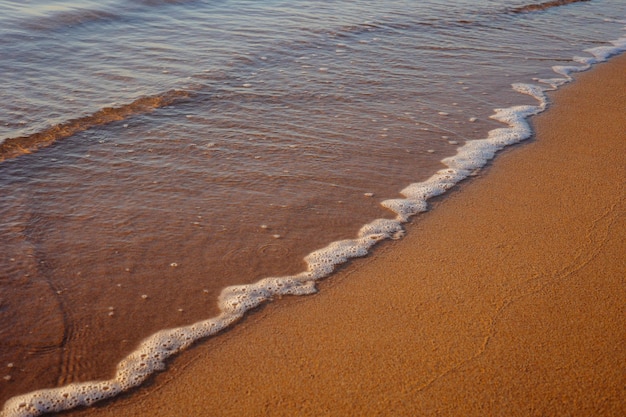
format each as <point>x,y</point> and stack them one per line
<point>543,6</point>
<point>14,147</point>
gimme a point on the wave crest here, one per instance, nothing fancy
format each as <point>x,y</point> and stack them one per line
<point>543,6</point>
<point>13,147</point>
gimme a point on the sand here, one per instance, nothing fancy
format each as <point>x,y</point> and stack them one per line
<point>507,299</point>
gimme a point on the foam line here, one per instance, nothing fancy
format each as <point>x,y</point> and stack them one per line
<point>235,301</point>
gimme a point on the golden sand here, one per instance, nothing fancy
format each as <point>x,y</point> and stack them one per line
<point>507,299</point>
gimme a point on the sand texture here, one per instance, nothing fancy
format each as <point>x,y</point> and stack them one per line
<point>507,299</point>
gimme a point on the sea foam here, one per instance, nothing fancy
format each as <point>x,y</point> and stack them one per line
<point>152,353</point>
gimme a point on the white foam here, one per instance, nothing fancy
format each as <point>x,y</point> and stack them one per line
<point>234,301</point>
<point>599,54</point>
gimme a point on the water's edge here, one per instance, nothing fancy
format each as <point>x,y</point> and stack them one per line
<point>235,301</point>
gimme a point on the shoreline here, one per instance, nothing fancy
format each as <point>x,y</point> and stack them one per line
<point>531,325</point>
<point>408,264</point>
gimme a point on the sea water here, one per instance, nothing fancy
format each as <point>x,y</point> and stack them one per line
<point>172,164</point>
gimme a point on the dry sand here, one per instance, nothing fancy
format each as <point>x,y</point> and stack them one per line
<point>507,299</point>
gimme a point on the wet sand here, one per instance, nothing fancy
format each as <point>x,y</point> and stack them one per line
<point>507,299</point>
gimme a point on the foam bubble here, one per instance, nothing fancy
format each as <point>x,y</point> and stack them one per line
<point>566,70</point>
<point>241,298</point>
<point>405,208</point>
<point>599,54</point>
<point>325,259</point>
<point>59,399</point>
<point>602,53</point>
<point>381,227</point>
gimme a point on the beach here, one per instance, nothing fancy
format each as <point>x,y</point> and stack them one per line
<point>506,298</point>
<point>166,166</point>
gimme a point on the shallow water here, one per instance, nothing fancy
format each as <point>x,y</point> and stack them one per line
<point>156,152</point>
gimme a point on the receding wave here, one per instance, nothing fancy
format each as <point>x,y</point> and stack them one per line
<point>14,147</point>
<point>543,6</point>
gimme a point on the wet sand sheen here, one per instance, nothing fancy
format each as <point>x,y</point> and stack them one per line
<point>507,299</point>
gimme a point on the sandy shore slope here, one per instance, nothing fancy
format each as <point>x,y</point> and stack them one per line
<point>507,299</point>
